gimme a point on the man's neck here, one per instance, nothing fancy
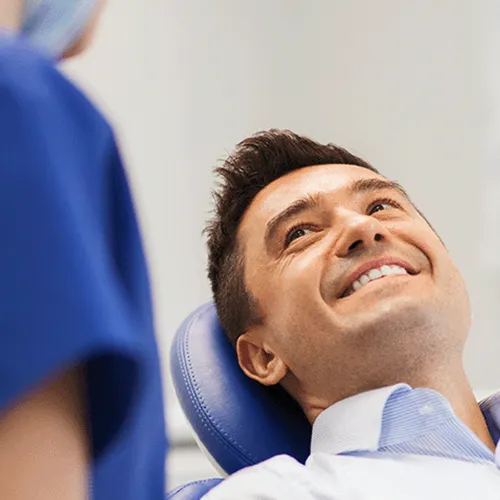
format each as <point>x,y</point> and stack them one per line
<point>11,14</point>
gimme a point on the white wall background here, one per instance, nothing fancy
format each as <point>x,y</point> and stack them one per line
<point>403,83</point>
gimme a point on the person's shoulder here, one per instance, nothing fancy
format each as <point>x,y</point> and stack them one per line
<point>35,86</point>
<point>26,72</point>
<point>42,113</point>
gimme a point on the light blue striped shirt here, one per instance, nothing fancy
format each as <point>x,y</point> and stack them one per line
<point>390,443</point>
<point>400,420</point>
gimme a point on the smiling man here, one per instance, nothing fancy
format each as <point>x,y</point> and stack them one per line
<point>330,282</point>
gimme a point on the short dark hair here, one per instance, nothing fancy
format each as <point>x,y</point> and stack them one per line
<point>256,162</point>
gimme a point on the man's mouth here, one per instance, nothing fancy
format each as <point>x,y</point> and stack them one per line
<point>377,272</point>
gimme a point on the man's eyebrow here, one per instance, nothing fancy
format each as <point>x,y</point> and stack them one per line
<point>297,207</point>
<point>371,185</point>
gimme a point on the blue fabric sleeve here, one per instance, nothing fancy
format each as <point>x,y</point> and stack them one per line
<point>61,302</point>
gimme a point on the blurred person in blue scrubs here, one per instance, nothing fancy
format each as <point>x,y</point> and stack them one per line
<point>81,413</point>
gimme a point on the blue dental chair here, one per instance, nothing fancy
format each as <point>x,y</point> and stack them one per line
<point>236,421</point>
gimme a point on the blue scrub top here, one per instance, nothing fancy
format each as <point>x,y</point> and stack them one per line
<point>73,280</point>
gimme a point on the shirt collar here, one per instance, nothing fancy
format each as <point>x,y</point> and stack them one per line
<point>337,429</point>
<point>356,423</point>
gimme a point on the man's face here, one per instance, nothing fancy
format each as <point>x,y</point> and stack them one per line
<point>355,289</point>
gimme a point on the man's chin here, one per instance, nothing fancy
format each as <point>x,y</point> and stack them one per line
<point>404,332</point>
<point>389,310</point>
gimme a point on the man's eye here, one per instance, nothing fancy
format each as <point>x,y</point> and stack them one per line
<point>380,205</point>
<point>294,234</point>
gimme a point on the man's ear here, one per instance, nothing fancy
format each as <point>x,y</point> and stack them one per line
<point>258,361</point>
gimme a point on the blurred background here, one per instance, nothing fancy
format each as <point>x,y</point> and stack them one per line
<point>411,86</point>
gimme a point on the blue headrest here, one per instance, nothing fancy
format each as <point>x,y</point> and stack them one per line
<point>238,421</point>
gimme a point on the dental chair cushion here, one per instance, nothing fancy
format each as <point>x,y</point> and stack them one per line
<point>238,421</point>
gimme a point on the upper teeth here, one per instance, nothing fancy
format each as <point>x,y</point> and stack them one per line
<point>374,274</point>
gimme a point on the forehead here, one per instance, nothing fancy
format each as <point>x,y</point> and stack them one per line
<point>329,180</point>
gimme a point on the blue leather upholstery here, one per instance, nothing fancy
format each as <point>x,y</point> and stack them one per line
<point>239,421</point>
<point>193,491</point>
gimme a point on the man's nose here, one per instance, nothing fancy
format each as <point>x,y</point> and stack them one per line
<point>360,232</point>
